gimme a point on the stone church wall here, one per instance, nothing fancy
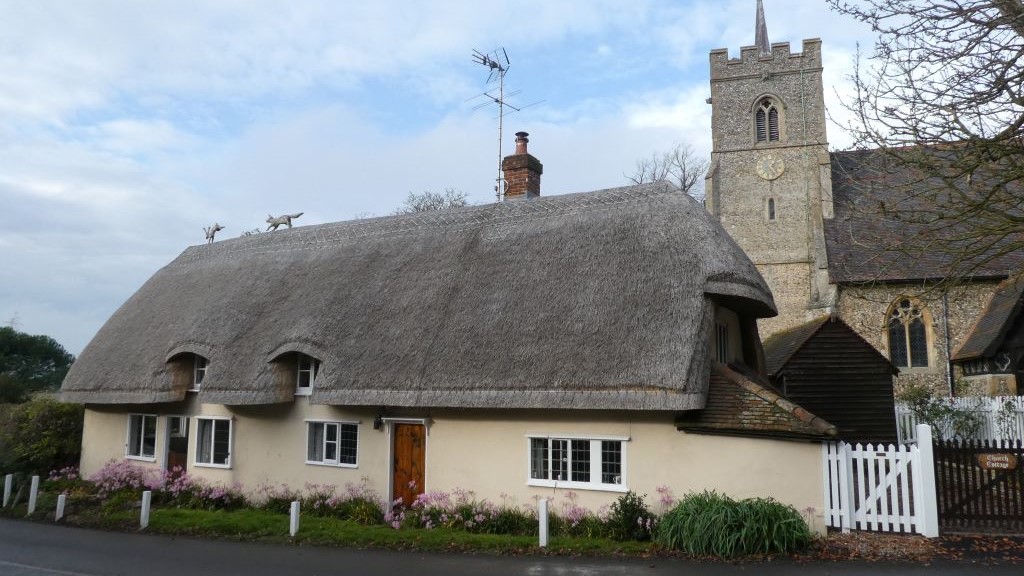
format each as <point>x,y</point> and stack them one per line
<point>866,309</point>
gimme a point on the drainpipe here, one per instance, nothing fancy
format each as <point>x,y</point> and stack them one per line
<point>949,360</point>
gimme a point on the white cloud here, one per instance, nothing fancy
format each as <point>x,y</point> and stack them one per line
<point>126,127</point>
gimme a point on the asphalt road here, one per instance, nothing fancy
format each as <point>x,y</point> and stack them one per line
<point>34,549</point>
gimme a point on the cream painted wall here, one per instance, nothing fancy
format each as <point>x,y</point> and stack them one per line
<point>485,451</point>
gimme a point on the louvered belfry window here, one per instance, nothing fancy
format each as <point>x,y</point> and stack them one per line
<point>767,120</point>
<point>908,338</point>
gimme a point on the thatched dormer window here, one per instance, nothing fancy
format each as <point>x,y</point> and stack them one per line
<point>726,346</point>
<point>198,372</point>
<point>308,369</point>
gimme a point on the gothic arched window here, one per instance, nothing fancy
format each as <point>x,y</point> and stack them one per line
<point>767,121</point>
<point>908,336</point>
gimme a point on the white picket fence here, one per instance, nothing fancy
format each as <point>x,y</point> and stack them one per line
<point>881,488</point>
<point>998,421</point>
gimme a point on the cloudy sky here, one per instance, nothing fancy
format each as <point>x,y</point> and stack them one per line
<point>126,126</point>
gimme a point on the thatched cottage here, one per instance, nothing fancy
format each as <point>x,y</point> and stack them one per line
<point>529,347</point>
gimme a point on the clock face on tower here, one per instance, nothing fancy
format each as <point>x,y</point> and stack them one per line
<point>770,167</point>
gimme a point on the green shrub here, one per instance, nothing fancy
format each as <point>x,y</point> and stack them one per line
<point>714,524</point>
<point>629,518</point>
<point>41,435</point>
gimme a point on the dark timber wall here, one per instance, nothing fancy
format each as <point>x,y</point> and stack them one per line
<point>838,376</point>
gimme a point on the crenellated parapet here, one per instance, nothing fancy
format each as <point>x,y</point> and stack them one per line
<point>752,63</point>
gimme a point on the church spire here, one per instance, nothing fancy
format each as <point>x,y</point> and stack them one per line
<point>761,31</point>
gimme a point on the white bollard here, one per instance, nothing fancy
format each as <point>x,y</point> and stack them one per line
<point>61,500</point>
<point>293,525</point>
<point>32,494</point>
<point>147,499</point>
<point>8,483</point>
<point>542,516</point>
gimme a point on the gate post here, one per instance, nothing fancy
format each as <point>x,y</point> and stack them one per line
<point>930,507</point>
<point>846,499</point>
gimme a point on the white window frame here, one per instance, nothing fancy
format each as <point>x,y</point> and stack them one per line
<point>199,366</point>
<point>138,443</point>
<point>313,371</point>
<point>199,435</point>
<point>337,460</point>
<point>595,463</point>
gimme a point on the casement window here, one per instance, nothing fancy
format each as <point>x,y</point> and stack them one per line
<point>908,335</point>
<point>308,369</point>
<point>332,443</point>
<point>581,463</point>
<point>766,120</point>
<point>213,442</point>
<point>141,437</point>
<point>199,372</point>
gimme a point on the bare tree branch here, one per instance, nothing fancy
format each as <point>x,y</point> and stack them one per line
<point>427,200</point>
<point>679,166</point>
<point>942,98</point>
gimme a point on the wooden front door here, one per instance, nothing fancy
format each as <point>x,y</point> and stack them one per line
<point>410,449</point>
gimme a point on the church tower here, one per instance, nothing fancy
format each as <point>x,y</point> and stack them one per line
<point>770,181</point>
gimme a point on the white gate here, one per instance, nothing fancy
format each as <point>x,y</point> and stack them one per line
<point>881,488</point>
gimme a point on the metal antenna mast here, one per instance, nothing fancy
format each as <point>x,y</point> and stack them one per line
<point>498,64</point>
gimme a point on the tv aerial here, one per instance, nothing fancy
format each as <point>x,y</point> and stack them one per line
<point>498,65</point>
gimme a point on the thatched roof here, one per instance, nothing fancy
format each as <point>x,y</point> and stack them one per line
<point>593,300</point>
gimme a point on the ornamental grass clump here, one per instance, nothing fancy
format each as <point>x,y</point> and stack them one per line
<point>713,524</point>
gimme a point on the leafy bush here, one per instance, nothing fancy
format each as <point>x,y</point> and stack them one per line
<point>714,524</point>
<point>629,518</point>
<point>946,417</point>
<point>41,435</point>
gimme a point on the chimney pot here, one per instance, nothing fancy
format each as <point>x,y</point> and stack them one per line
<point>521,142</point>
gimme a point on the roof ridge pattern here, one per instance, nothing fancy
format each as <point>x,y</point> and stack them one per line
<point>449,221</point>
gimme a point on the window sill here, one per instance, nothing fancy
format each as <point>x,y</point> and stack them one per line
<point>221,466</point>
<point>331,464</point>
<point>621,488</point>
<point>141,458</point>
<point>303,392</point>
<point>917,370</point>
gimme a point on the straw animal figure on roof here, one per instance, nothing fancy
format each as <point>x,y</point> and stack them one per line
<point>212,231</point>
<point>274,222</point>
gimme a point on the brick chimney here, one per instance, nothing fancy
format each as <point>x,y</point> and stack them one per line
<point>522,171</point>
